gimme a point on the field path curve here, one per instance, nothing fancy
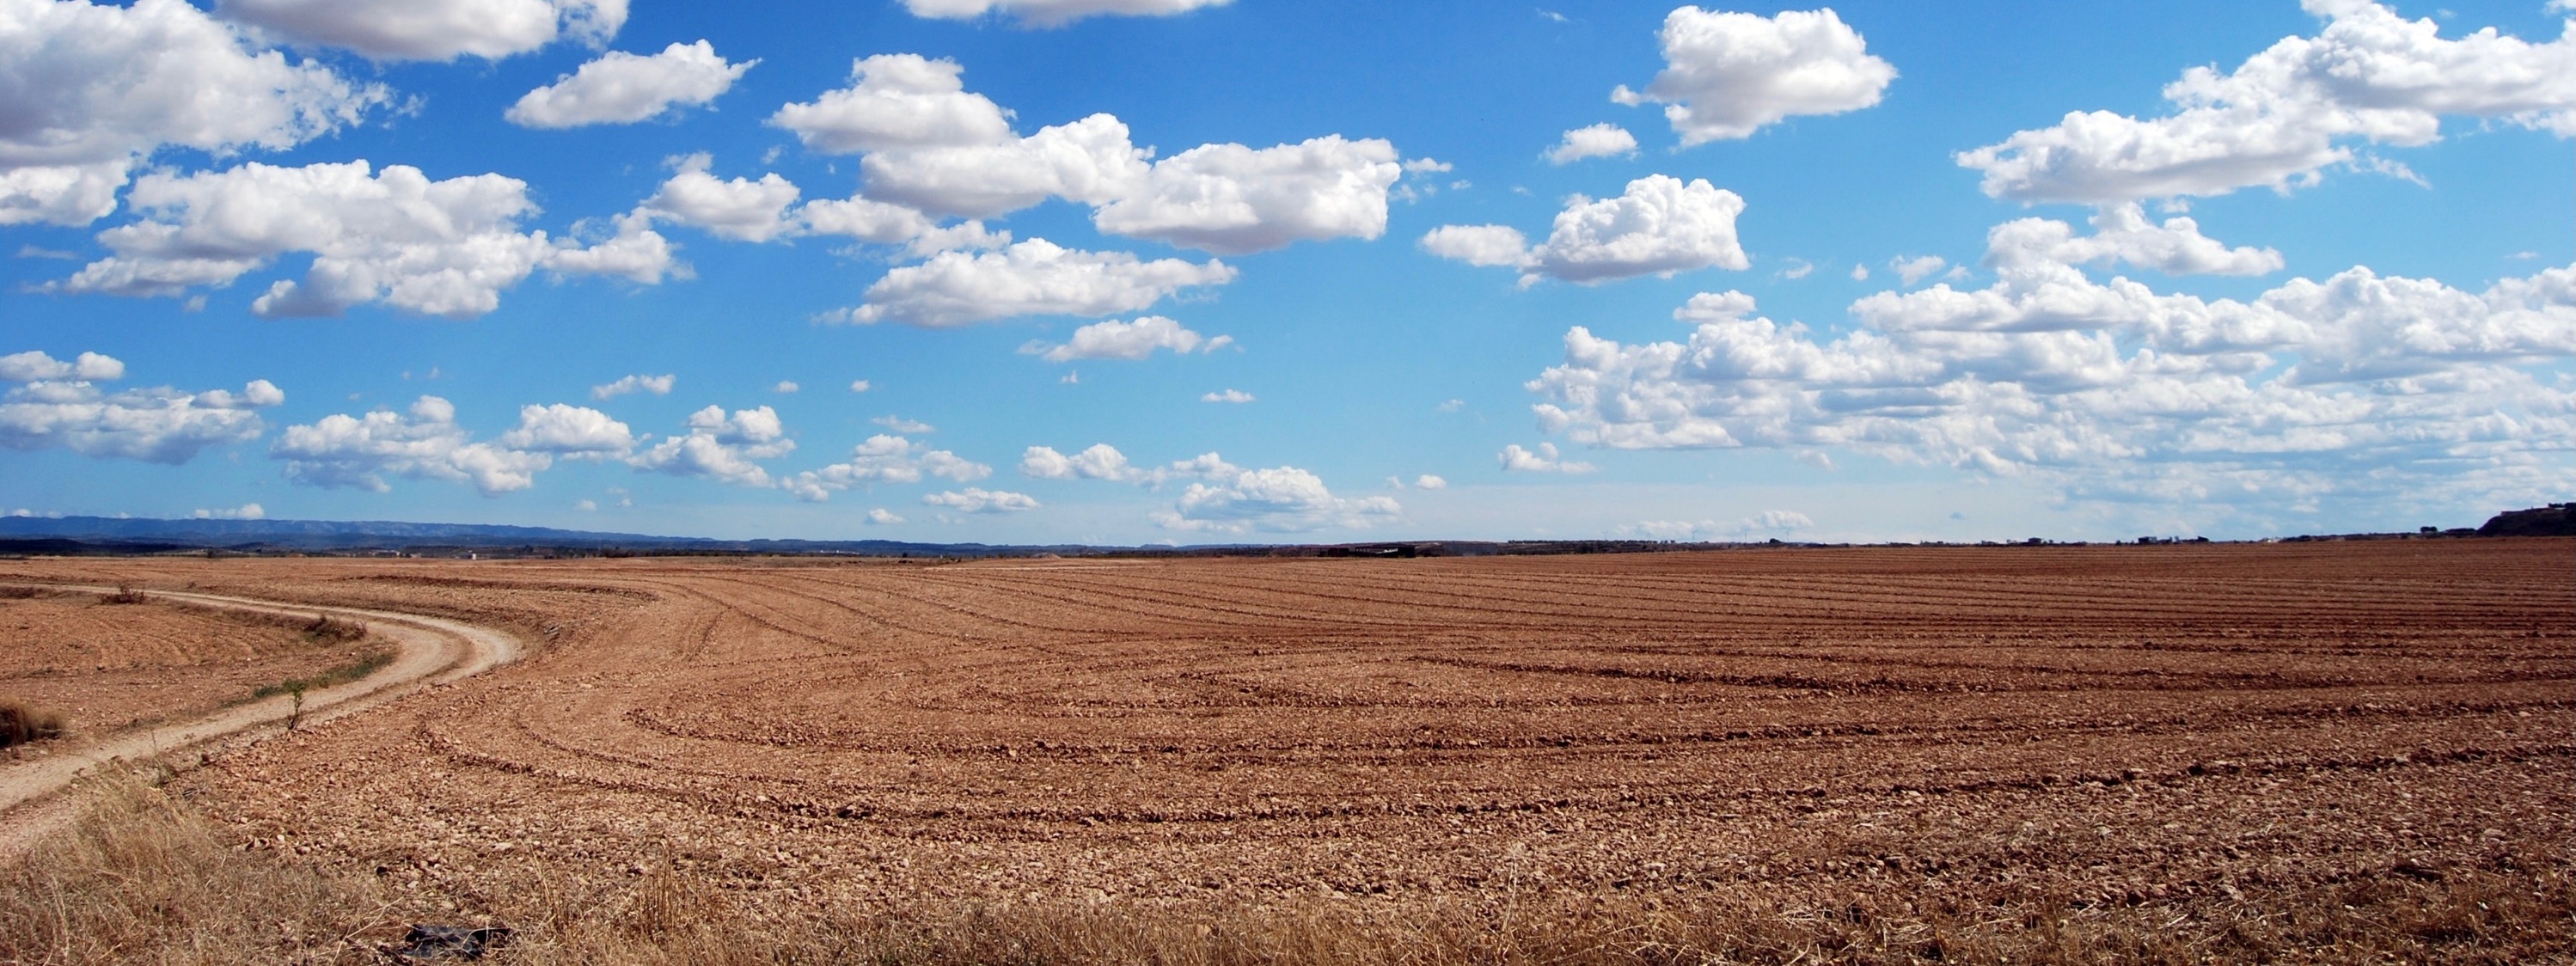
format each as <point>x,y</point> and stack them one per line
<point>428,651</point>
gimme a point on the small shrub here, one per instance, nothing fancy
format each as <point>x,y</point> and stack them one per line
<point>21,723</point>
<point>332,630</point>
<point>126,594</point>
<point>19,592</point>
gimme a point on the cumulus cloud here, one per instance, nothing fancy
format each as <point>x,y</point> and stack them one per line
<point>1765,522</point>
<point>1227,396</point>
<point>658,385</point>
<point>1429,482</point>
<point>1052,13</point>
<point>1542,460</point>
<point>443,248</point>
<point>721,447</point>
<point>1131,340</point>
<point>623,88</point>
<point>884,459</point>
<point>58,404</point>
<point>882,517</point>
<point>1034,277</point>
<point>1101,462</point>
<point>572,431</point>
<point>1598,141</point>
<point>1089,161</point>
<point>424,443</point>
<point>1232,200</point>
<point>978,500</point>
<point>931,146</point>
<point>1281,499</point>
<point>1916,269</point>
<point>1104,462</point>
<point>897,101</point>
<point>94,90</point>
<point>433,29</point>
<point>246,511</point>
<point>2359,386</point>
<point>2287,113</point>
<point>1659,226</point>
<point>738,208</point>
<point>34,366</point>
<point>1728,75</point>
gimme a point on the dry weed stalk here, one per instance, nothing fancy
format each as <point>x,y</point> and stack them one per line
<point>144,878</point>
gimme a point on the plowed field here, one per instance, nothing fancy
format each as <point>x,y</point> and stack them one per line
<point>108,665</point>
<point>2096,728</point>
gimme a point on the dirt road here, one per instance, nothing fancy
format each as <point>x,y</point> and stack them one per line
<point>429,651</point>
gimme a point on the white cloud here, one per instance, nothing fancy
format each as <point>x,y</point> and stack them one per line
<point>33,366</point>
<point>1089,161</point>
<point>1797,268</point>
<point>931,146</point>
<point>860,385</point>
<point>721,447</point>
<point>882,517</point>
<point>739,208</point>
<point>93,90</point>
<point>423,444</point>
<point>902,425</point>
<point>883,459</point>
<point>623,88</point>
<point>1133,340</point>
<point>1659,226</point>
<point>1860,273</point>
<point>586,506</point>
<point>1104,462</point>
<point>1052,13</point>
<point>635,252</point>
<point>2291,111</point>
<point>434,29</point>
<point>1233,200</point>
<point>870,220</point>
<point>1281,499</point>
<point>976,500</point>
<point>2122,233</point>
<point>1543,460</point>
<point>246,511</point>
<point>1101,462</point>
<point>658,385</point>
<point>786,387</point>
<point>1728,75</point>
<point>1034,277</point>
<point>59,405</point>
<point>1598,141</point>
<point>2358,387</point>
<point>1429,482</point>
<point>572,431</point>
<point>897,101</point>
<point>1484,246</point>
<point>434,247</point>
<point>1912,270</point>
<point>1766,522</point>
<point>1227,396</point>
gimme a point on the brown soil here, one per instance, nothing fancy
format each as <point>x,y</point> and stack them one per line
<point>108,666</point>
<point>2201,736</point>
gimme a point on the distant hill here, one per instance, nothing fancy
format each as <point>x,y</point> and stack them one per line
<point>2554,520</point>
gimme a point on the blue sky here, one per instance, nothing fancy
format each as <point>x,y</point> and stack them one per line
<point>1132,271</point>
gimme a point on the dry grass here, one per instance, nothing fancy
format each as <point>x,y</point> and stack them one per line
<point>21,723</point>
<point>143,878</point>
